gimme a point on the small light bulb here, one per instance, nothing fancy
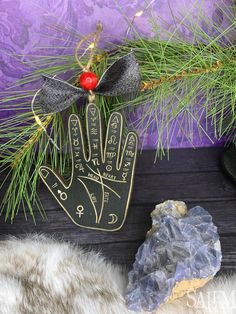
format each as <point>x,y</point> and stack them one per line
<point>38,121</point>
<point>91,46</point>
<point>138,14</point>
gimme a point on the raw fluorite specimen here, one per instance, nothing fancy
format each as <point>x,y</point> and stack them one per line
<point>180,254</point>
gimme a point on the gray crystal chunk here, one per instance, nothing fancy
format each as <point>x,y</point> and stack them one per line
<point>182,245</point>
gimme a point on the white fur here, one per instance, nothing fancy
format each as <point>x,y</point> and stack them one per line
<point>42,276</point>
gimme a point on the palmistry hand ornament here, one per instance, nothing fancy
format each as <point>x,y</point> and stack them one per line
<point>99,191</point>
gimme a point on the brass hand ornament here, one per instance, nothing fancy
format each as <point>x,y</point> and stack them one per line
<point>99,191</point>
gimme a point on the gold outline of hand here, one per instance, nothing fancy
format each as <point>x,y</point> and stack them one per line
<point>102,180</point>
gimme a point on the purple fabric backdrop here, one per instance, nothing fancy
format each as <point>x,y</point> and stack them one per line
<point>25,25</point>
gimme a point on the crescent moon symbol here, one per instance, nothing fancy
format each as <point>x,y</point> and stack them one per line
<point>113,220</point>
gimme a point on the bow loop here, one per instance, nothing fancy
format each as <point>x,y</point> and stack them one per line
<point>122,77</point>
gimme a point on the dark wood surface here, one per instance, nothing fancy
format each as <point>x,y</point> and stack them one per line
<point>194,176</point>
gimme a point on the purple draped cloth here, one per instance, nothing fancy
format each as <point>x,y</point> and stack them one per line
<point>27,25</point>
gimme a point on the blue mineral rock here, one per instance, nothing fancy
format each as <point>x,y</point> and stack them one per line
<point>182,245</point>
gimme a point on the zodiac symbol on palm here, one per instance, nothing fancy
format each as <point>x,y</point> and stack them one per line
<point>98,193</point>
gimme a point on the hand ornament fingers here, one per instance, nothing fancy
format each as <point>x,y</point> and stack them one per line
<point>129,156</point>
<point>76,142</point>
<point>113,139</point>
<point>53,183</point>
<point>94,132</point>
<point>99,192</point>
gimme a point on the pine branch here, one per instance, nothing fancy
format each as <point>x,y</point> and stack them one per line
<point>182,81</point>
<point>31,142</point>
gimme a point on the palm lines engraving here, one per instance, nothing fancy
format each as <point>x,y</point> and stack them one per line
<point>99,190</point>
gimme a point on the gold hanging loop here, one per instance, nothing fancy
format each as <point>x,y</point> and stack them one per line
<point>92,47</point>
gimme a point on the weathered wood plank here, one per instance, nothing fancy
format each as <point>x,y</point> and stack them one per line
<point>190,175</point>
<point>189,187</point>
<point>154,188</point>
<point>124,253</point>
<point>137,223</point>
<point>180,161</point>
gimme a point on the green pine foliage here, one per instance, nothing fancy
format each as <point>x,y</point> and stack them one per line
<point>183,80</point>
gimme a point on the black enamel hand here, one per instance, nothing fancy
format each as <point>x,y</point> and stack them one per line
<point>99,190</point>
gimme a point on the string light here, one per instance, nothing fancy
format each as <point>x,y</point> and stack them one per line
<point>39,121</point>
<point>138,14</point>
<point>91,47</point>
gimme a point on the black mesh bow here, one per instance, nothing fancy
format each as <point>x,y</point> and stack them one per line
<point>122,77</point>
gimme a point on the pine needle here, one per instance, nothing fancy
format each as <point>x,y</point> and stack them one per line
<point>184,79</point>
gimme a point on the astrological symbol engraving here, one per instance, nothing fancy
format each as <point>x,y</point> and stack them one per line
<point>80,210</point>
<point>77,154</point>
<point>112,140</point>
<point>114,219</point>
<point>93,198</point>
<point>124,175</point>
<point>106,197</point>
<point>110,155</point>
<point>115,119</point>
<point>80,167</point>
<point>62,195</point>
<point>74,129</point>
<point>108,167</point>
<point>94,131</point>
<point>131,140</point>
<point>95,145</point>
<point>95,161</point>
<point>114,125</point>
<point>129,153</point>
<point>127,164</point>
<point>75,141</point>
<point>96,189</point>
<point>92,111</point>
<point>74,122</point>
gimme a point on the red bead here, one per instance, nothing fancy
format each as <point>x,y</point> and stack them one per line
<point>88,80</point>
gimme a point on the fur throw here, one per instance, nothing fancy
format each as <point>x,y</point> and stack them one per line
<point>39,275</point>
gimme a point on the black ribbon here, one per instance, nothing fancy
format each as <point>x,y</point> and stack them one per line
<point>122,77</point>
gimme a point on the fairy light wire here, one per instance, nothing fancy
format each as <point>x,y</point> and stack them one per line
<point>38,120</point>
<point>137,15</point>
<point>92,47</point>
